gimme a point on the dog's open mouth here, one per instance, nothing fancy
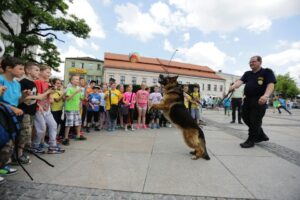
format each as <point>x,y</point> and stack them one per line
<point>162,80</point>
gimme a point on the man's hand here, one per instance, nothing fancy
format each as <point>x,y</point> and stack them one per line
<point>231,89</point>
<point>17,111</point>
<point>262,100</point>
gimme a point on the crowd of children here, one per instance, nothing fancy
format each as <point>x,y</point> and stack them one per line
<point>51,114</point>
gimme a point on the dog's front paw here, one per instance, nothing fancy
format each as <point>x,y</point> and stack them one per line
<point>194,157</point>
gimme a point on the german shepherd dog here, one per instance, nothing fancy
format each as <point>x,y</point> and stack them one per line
<point>175,111</point>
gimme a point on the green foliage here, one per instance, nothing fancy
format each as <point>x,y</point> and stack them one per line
<point>42,19</point>
<point>286,86</point>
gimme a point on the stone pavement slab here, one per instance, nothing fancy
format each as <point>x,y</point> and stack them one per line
<point>155,164</point>
<point>174,174</point>
<point>266,177</point>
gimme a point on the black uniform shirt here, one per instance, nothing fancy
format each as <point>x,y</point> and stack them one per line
<point>29,106</point>
<point>256,83</point>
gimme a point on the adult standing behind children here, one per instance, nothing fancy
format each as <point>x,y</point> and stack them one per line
<point>72,109</point>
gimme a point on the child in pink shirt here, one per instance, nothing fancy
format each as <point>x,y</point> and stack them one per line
<point>129,99</point>
<point>142,99</point>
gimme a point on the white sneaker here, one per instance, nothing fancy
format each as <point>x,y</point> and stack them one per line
<point>126,129</point>
<point>2,180</point>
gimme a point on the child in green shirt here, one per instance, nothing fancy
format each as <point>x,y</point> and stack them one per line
<point>72,109</point>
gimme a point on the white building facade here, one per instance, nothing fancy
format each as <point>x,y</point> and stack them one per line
<point>137,74</point>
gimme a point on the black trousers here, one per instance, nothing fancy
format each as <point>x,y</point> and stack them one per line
<point>90,115</point>
<point>253,114</point>
<point>57,117</point>
<point>128,119</point>
<point>236,104</point>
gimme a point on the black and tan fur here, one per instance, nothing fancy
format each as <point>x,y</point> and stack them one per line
<point>175,111</point>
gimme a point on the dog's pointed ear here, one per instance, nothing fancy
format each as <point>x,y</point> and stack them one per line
<point>173,79</point>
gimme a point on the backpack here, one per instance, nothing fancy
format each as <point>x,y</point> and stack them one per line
<point>9,125</point>
<point>10,129</point>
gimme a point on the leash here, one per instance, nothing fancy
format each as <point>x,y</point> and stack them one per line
<point>162,65</point>
<point>230,93</point>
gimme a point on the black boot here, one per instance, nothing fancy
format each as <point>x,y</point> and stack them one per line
<point>247,144</point>
<point>87,129</point>
<point>261,138</point>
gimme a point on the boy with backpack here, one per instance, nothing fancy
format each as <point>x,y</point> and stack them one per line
<point>10,97</point>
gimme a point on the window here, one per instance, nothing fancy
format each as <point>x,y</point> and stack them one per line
<point>144,80</point>
<point>208,87</point>
<point>133,81</point>
<point>89,78</point>
<point>82,65</point>
<point>215,87</point>
<point>122,80</point>
<point>98,67</point>
<point>98,79</point>
<point>221,88</point>
<point>188,83</point>
<point>202,86</point>
<point>73,64</point>
<point>154,81</point>
<point>180,82</point>
<point>110,76</point>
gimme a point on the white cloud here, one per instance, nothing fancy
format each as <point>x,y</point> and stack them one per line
<point>168,46</point>
<point>81,42</point>
<point>94,46</point>
<point>228,15</point>
<point>236,39</point>
<point>83,9</point>
<point>287,60</point>
<point>106,2</point>
<point>205,53</point>
<point>186,37</point>
<point>132,21</point>
<point>260,25</point>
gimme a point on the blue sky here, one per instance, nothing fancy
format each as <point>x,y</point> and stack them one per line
<point>221,34</point>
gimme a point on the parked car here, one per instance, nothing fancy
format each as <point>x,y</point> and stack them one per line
<point>296,105</point>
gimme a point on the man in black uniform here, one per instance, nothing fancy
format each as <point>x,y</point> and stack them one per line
<point>259,85</point>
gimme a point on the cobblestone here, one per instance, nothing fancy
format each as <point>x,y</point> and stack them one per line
<point>279,150</point>
<point>20,190</point>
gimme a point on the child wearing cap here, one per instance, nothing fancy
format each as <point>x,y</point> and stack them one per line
<point>94,100</point>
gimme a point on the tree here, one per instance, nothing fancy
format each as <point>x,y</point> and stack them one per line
<point>41,21</point>
<point>286,86</point>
